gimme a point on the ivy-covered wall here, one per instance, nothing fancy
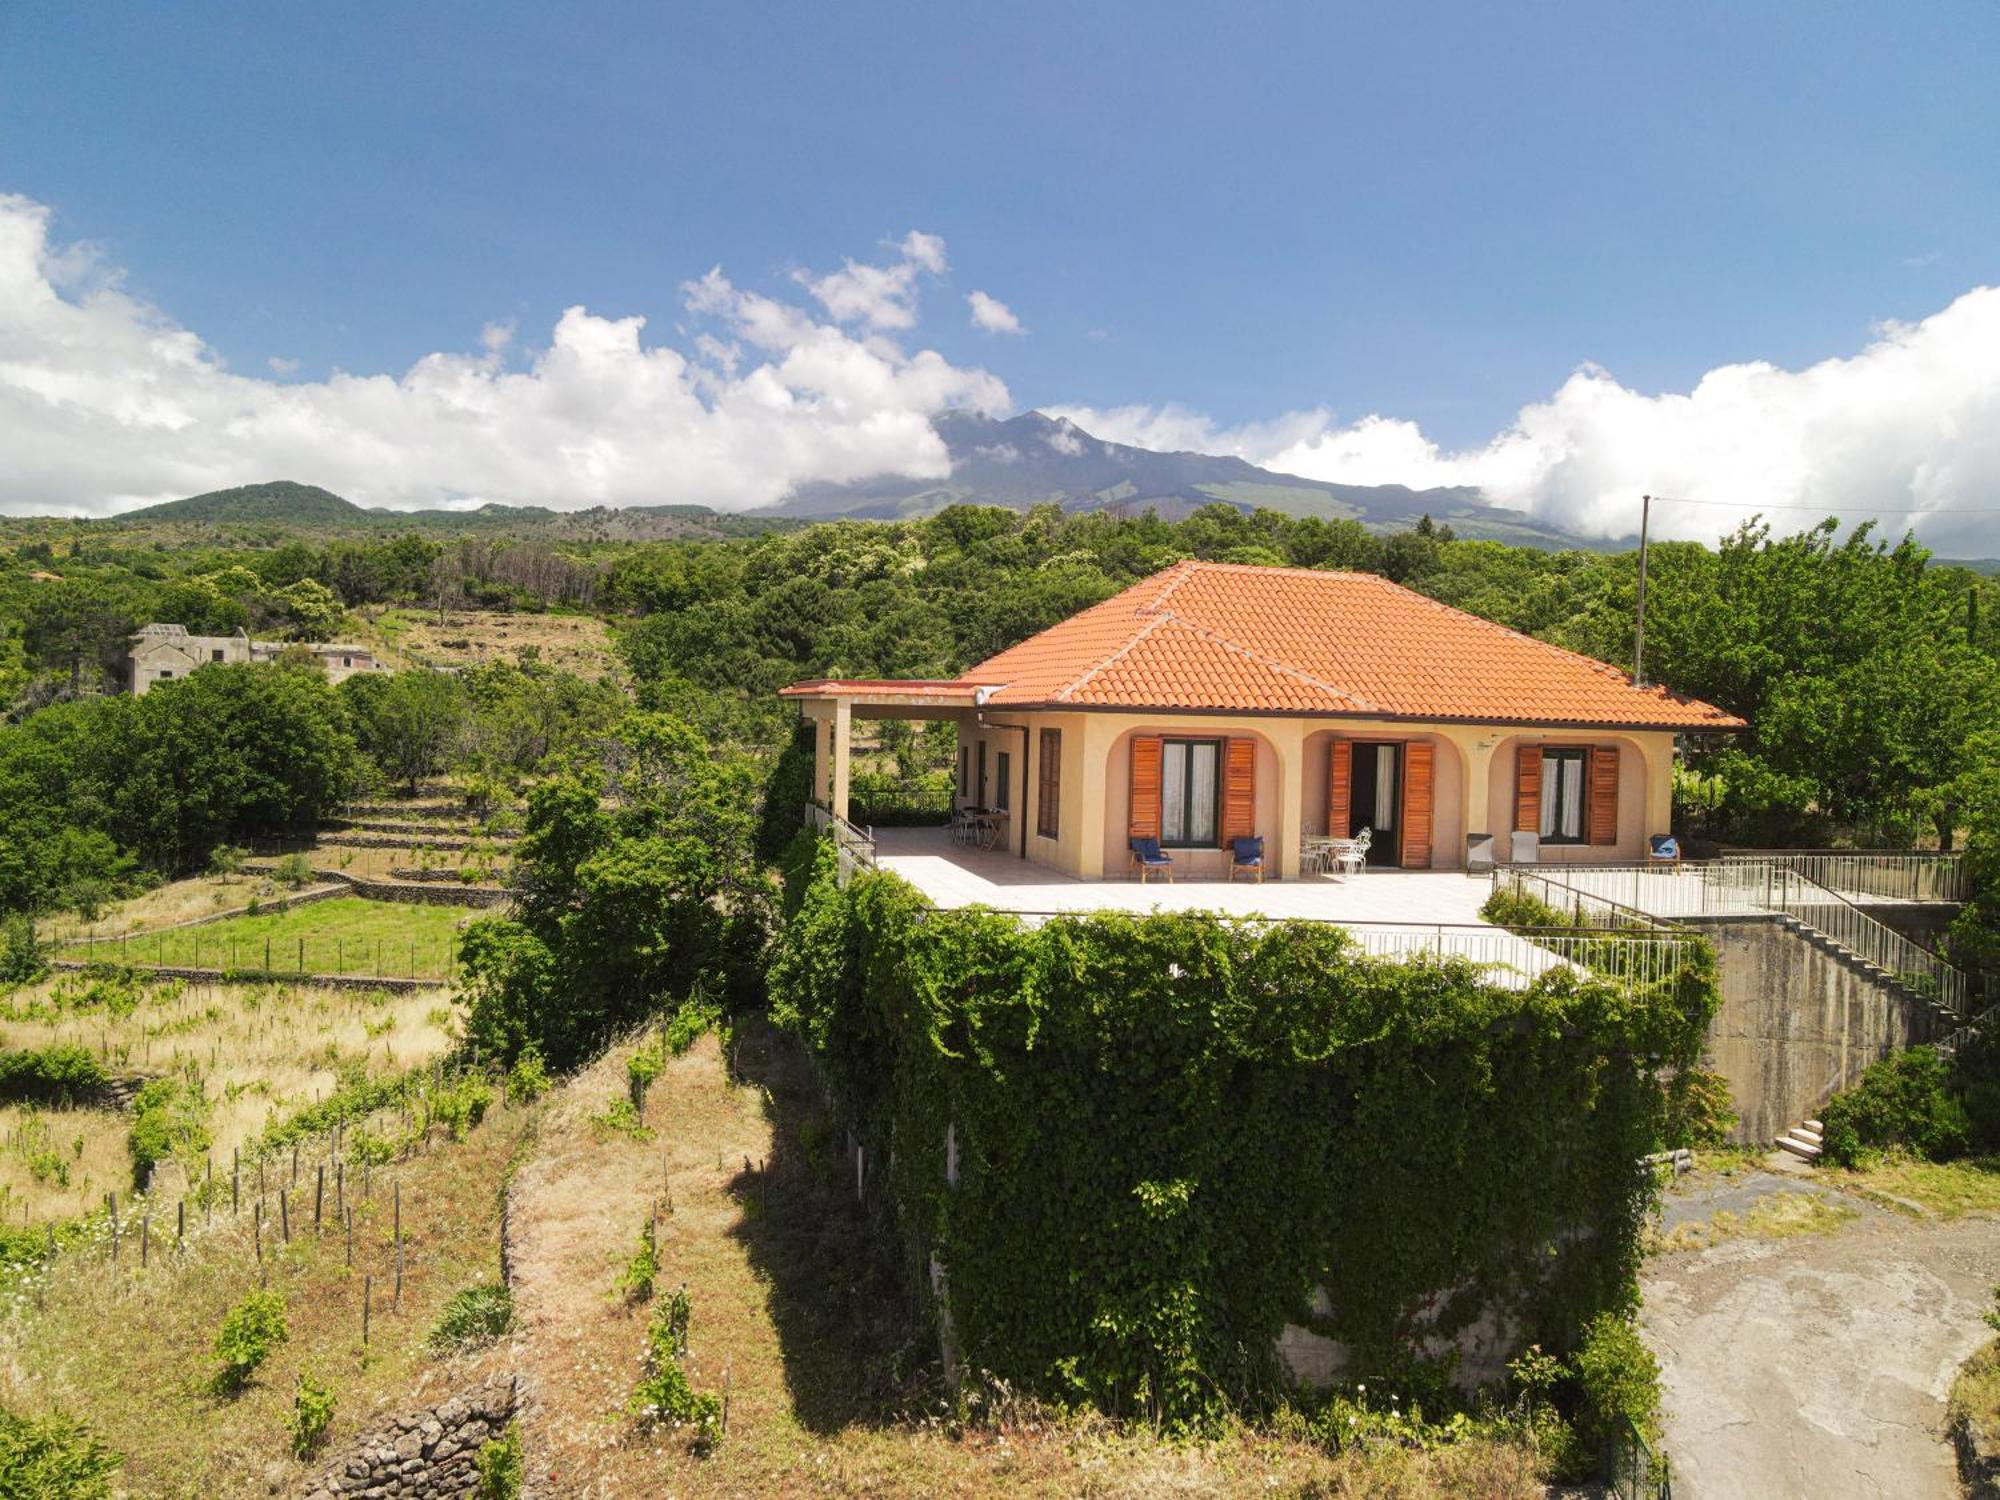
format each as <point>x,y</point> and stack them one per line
<point>1170,1129</point>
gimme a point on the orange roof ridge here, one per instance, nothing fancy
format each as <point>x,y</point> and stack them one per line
<point>1238,637</point>
<point>1063,695</point>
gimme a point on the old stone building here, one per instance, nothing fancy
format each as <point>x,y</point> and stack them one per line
<point>162,652</point>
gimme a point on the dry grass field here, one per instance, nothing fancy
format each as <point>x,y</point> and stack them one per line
<point>129,1351</point>
<point>471,637</point>
<point>796,1310</point>
<point>256,1052</point>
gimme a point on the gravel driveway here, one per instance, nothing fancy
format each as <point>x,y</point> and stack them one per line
<point>1816,1367</point>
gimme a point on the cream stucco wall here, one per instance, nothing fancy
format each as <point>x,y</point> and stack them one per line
<point>1474,783</point>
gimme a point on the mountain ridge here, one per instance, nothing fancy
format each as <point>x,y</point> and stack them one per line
<point>1013,462</point>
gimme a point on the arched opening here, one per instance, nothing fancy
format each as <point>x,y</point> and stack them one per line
<point>1197,786</point>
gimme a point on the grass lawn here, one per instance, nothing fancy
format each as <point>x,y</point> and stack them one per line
<point>1947,1189</point>
<point>346,935</point>
<point>803,1314</point>
<point>130,1351</point>
<point>255,1051</point>
<point>1975,1395</point>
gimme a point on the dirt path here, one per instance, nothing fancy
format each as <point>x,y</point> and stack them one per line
<point>1817,1366</point>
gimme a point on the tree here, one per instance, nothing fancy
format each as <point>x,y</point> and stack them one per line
<point>313,609</point>
<point>410,723</point>
<point>74,622</point>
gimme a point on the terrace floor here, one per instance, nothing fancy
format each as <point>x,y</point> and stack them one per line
<point>953,876</point>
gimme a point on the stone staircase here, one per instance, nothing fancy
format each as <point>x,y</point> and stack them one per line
<point>1942,1017</point>
<point>1803,1140</point>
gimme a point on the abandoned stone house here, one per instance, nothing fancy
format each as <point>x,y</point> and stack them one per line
<point>162,652</point>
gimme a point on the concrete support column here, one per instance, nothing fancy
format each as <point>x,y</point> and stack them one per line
<point>1478,751</point>
<point>1288,738</point>
<point>843,732</point>
<point>1658,753</point>
<point>1100,732</point>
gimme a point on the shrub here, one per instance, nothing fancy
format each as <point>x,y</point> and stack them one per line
<point>1617,1379</point>
<point>60,1074</point>
<point>251,1330</point>
<point>1699,1110</point>
<point>641,1068</point>
<point>293,870</point>
<point>500,1467</point>
<point>312,1414</point>
<point>21,960</point>
<point>168,1118</point>
<point>52,1458</point>
<point>461,1105</point>
<point>664,1393</point>
<point>1903,1100</point>
<point>687,1024</point>
<point>474,1316</point>
<point>528,1079</point>
<point>636,1280</point>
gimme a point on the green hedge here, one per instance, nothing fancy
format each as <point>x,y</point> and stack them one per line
<point>60,1074</point>
<point>1172,1128</point>
<point>1907,1099</point>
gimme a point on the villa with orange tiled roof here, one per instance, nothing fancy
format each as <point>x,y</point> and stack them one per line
<point>1213,702</point>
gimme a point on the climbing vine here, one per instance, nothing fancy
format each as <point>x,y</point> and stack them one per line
<point>1170,1130</point>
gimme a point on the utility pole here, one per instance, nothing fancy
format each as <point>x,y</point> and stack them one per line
<point>1639,629</point>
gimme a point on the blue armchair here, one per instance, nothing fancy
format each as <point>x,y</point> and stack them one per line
<point>1247,857</point>
<point>1148,856</point>
<point>1663,848</point>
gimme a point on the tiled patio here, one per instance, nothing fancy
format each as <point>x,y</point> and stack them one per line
<point>954,876</point>
<point>1393,913</point>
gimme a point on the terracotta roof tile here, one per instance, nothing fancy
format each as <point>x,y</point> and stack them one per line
<point>1293,640</point>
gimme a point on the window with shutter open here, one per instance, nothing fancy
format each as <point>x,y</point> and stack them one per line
<point>1239,790</point>
<point>1604,794</point>
<point>1419,795</point>
<point>1528,789</point>
<point>1048,763</point>
<point>1340,789</point>
<point>1144,822</point>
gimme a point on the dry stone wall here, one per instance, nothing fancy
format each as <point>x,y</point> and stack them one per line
<point>428,1454</point>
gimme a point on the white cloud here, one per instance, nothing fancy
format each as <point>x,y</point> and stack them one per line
<point>882,297</point>
<point>106,402</point>
<point>282,366</point>
<point>993,315</point>
<point>1907,428</point>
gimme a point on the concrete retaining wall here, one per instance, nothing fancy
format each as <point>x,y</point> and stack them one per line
<point>428,1453</point>
<point>1797,1024</point>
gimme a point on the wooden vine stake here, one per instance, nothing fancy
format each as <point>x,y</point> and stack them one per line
<point>367,1296</point>
<point>399,1244</point>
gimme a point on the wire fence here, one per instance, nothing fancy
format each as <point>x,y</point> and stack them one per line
<point>296,957</point>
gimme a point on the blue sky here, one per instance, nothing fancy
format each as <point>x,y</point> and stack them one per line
<point>1433,212</point>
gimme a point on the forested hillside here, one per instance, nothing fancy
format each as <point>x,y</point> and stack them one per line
<point>1867,672</point>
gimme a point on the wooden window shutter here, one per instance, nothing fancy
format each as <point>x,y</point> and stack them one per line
<point>1145,820</point>
<point>1419,792</point>
<point>1528,790</point>
<point>1239,790</point>
<point>1604,794</point>
<point>1340,788</point>
<point>1049,766</point>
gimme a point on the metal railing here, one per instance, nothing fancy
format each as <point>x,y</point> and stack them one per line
<point>1589,908</point>
<point>1749,885</point>
<point>1908,875</point>
<point>1520,955</point>
<point>854,848</point>
<point>1637,1471</point>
